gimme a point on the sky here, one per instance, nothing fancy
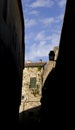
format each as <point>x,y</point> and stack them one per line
<point>43,20</point>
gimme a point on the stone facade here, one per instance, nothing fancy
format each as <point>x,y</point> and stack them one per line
<point>50,64</point>
<point>31,95</point>
<point>40,70</point>
<point>56,50</point>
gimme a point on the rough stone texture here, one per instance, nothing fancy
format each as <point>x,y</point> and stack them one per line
<point>29,99</point>
<point>56,50</point>
<point>50,64</point>
<point>48,68</point>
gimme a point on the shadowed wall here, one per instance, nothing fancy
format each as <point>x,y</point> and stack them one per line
<point>57,102</point>
<point>11,61</point>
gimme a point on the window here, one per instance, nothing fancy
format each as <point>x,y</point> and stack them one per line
<point>33,82</point>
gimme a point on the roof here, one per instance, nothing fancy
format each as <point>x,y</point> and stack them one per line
<point>35,64</point>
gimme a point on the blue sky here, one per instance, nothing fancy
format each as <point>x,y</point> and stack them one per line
<point>43,23</point>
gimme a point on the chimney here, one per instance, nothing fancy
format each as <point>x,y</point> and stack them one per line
<point>40,60</point>
<point>51,55</point>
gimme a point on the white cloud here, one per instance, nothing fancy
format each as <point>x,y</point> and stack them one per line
<point>52,20</point>
<point>40,45</point>
<point>34,12</point>
<point>47,21</point>
<point>42,48</point>
<point>61,3</point>
<point>53,38</point>
<point>30,22</point>
<point>40,36</point>
<point>42,3</point>
<point>59,18</point>
<point>37,50</point>
<point>28,37</point>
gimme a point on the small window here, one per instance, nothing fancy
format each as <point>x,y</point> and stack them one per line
<point>33,82</point>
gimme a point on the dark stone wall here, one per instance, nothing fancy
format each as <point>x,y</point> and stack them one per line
<point>57,102</point>
<point>11,63</point>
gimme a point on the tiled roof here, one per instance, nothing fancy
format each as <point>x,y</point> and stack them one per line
<point>35,64</point>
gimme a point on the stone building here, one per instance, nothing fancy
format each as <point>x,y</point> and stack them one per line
<point>32,83</point>
<point>34,76</point>
<point>53,54</point>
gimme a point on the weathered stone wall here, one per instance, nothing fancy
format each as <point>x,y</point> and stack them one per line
<point>50,64</point>
<point>48,68</point>
<point>29,99</point>
<point>56,50</point>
